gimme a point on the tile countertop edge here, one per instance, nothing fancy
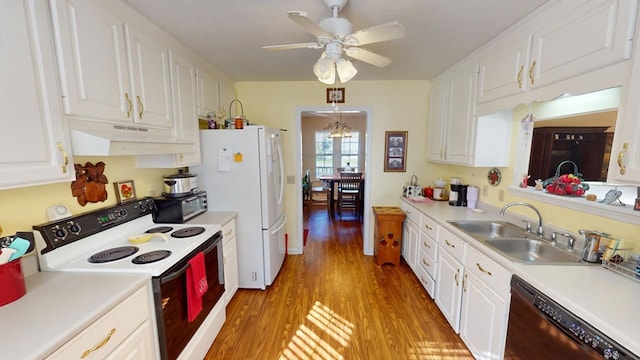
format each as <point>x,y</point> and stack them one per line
<point>606,300</point>
<point>58,306</point>
<point>213,218</point>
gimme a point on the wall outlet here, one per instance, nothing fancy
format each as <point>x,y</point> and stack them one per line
<point>291,179</point>
<point>485,190</point>
<point>501,195</point>
<point>254,276</point>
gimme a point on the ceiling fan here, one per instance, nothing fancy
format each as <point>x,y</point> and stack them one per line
<point>336,36</point>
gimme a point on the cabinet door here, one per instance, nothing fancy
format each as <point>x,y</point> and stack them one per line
<point>461,117</point>
<point>504,72</point>
<point>33,149</point>
<point>151,79</point>
<point>410,243</point>
<point>208,94</point>
<point>587,37</point>
<point>449,288</point>
<point>186,119</point>
<point>483,321</point>
<point>138,346</point>
<point>92,61</point>
<point>230,269</point>
<point>437,121</point>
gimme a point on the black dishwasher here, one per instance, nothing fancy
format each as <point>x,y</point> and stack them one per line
<point>539,328</point>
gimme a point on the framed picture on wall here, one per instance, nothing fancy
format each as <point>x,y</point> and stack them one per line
<point>125,191</point>
<point>395,151</point>
<point>335,95</point>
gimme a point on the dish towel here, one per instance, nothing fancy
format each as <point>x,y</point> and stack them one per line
<point>196,285</point>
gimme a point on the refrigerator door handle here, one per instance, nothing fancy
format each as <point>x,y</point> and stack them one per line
<point>281,164</point>
<point>284,222</point>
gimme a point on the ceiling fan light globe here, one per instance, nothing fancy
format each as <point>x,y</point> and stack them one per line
<point>346,70</point>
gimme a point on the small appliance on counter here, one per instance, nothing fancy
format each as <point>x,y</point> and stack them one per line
<point>438,191</point>
<point>458,193</point>
<point>178,210</point>
<point>180,184</point>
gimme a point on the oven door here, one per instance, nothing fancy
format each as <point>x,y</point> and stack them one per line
<point>170,294</point>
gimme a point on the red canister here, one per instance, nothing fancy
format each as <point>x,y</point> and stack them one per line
<point>11,282</point>
<point>428,192</point>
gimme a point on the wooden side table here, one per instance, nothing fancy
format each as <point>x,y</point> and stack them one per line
<point>388,234</point>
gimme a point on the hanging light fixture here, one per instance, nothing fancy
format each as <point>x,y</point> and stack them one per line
<point>339,129</point>
<point>332,62</point>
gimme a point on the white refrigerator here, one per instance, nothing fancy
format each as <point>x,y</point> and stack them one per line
<point>242,171</point>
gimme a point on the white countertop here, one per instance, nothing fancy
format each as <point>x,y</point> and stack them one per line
<point>56,307</point>
<point>213,218</point>
<point>607,300</point>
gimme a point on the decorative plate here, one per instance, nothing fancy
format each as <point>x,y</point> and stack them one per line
<point>494,176</point>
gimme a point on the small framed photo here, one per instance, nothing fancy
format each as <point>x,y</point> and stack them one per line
<point>395,151</point>
<point>125,191</point>
<point>335,95</point>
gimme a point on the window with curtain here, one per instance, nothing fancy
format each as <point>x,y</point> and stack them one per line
<point>350,150</point>
<point>324,153</point>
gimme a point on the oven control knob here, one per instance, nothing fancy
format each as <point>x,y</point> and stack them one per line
<point>74,228</point>
<point>142,206</point>
<point>122,213</point>
<point>615,354</point>
<point>59,232</point>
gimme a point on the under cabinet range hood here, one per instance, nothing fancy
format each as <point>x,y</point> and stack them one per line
<point>103,139</point>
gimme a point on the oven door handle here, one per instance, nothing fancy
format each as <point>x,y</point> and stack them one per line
<point>179,272</point>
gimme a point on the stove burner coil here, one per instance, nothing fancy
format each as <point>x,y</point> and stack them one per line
<point>113,254</point>
<point>188,232</point>
<point>159,229</point>
<point>151,256</point>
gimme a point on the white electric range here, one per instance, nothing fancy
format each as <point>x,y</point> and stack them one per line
<point>99,241</point>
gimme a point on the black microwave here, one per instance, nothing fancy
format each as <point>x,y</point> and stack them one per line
<point>177,210</point>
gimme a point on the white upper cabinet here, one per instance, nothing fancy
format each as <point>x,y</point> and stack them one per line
<point>34,149</point>
<point>625,151</point>
<point>567,39</point>
<point>109,70</point>
<point>455,134</point>
<point>227,94</point>
<point>208,93</point>
<point>151,80</point>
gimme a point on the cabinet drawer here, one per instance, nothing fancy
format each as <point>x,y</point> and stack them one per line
<point>488,271</point>
<point>427,281</point>
<point>429,226</point>
<point>229,230</point>
<point>452,244</point>
<point>427,263</point>
<point>410,212</point>
<point>429,245</point>
<point>112,328</point>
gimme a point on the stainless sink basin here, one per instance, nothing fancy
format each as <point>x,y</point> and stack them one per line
<point>516,243</point>
<point>532,251</point>
<point>482,230</point>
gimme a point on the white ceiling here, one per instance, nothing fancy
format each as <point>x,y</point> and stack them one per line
<point>231,33</point>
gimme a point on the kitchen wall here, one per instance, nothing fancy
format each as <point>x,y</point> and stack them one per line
<point>396,105</point>
<point>23,207</point>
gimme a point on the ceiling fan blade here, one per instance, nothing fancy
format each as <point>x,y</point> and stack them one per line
<point>383,32</point>
<point>292,46</point>
<point>367,56</point>
<point>301,18</point>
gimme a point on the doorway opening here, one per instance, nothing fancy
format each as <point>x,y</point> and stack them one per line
<point>321,155</point>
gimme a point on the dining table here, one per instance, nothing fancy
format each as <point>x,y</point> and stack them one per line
<point>329,181</point>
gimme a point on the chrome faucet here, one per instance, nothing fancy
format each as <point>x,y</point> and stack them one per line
<point>540,230</point>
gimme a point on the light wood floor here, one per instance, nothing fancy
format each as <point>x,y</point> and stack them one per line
<point>333,302</point>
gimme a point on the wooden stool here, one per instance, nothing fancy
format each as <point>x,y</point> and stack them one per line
<point>388,234</point>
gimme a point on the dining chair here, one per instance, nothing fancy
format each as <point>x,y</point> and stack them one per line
<point>318,193</point>
<point>349,193</point>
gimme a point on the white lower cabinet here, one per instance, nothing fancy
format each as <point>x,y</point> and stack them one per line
<point>230,256</point>
<point>124,332</point>
<point>449,288</point>
<point>485,306</point>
